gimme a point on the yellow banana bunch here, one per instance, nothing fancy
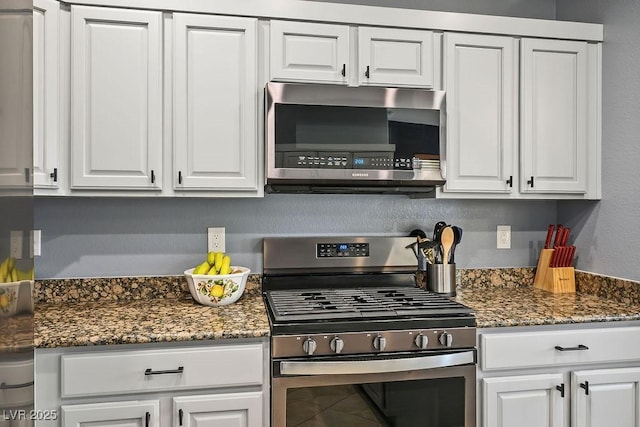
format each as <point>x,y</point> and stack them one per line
<point>216,263</point>
<point>9,273</point>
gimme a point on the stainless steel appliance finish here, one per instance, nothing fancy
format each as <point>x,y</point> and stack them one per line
<point>346,311</point>
<point>323,154</point>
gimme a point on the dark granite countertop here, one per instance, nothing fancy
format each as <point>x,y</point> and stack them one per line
<point>131,321</point>
<point>83,312</point>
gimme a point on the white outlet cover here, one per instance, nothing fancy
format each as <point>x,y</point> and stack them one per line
<point>215,239</point>
<point>503,237</point>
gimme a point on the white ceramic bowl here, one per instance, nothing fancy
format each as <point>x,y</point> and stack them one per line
<point>217,290</point>
<point>8,298</point>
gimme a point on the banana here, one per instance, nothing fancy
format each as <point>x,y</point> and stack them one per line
<point>218,261</point>
<point>4,270</point>
<point>211,256</point>
<point>225,268</point>
<point>14,275</point>
<point>212,271</point>
<point>202,268</point>
<point>11,262</point>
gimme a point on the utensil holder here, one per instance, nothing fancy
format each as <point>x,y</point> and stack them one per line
<point>441,278</point>
<point>558,280</point>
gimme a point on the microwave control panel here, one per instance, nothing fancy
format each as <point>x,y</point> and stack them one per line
<point>344,160</point>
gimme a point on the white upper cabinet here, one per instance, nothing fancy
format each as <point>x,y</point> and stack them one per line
<point>116,98</point>
<point>15,90</point>
<point>480,75</point>
<point>527,129</point>
<point>302,51</point>
<point>395,57</point>
<point>333,53</point>
<point>554,116</point>
<point>46,138</point>
<point>215,103</point>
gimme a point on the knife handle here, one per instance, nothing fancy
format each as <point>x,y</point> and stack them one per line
<point>554,257</point>
<point>558,238</point>
<point>565,236</point>
<point>547,242</point>
<point>572,253</point>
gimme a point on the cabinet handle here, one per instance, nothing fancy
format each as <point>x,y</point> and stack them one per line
<point>179,177</point>
<point>26,174</point>
<point>510,181</point>
<point>54,174</point>
<point>149,371</point>
<point>180,414</point>
<point>5,386</point>
<point>153,177</point>
<point>366,73</point>
<point>585,386</point>
<point>530,182</point>
<point>578,348</point>
<point>147,419</point>
<point>560,388</point>
<point>344,70</point>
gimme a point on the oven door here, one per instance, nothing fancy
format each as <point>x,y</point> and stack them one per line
<point>434,390</point>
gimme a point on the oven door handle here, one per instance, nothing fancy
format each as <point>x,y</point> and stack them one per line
<point>375,366</point>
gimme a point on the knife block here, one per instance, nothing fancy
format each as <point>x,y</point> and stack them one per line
<point>554,279</point>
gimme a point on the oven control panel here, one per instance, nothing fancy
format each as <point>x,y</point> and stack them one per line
<point>342,250</point>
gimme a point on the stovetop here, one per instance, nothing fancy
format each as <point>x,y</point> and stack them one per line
<point>359,303</point>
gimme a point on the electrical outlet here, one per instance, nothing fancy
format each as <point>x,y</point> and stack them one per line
<point>504,237</point>
<point>16,244</point>
<point>35,243</point>
<point>215,240</point>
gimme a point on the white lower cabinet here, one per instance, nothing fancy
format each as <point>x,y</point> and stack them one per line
<point>228,410</point>
<point>524,401</point>
<point>198,384</point>
<point>559,377</point>
<point>131,414</point>
<point>606,397</point>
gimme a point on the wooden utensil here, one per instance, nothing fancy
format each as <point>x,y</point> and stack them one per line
<point>446,240</point>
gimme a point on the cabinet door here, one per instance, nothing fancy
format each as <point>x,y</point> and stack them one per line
<point>554,116</point>
<point>606,397</point>
<point>215,102</point>
<point>395,57</point>
<point>480,77</point>
<point>524,401</point>
<point>303,51</point>
<point>116,98</point>
<point>144,413</point>
<point>15,105</point>
<point>46,143</point>
<point>227,410</point>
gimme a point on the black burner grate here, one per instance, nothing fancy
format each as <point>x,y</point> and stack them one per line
<point>360,303</point>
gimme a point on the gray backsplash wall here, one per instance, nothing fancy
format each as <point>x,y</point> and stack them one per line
<point>90,237</point>
<point>609,233</point>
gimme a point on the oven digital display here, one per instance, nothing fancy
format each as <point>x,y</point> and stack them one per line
<point>342,250</point>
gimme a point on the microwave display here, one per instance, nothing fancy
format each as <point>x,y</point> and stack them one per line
<point>347,137</point>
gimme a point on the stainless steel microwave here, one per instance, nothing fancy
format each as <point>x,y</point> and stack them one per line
<point>339,139</point>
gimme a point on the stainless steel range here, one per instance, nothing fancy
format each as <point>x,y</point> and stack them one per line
<point>355,341</point>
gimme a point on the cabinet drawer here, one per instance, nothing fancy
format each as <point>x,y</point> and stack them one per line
<point>16,383</point>
<point>115,372</point>
<point>575,347</point>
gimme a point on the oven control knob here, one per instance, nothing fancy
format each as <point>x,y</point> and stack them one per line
<point>336,344</point>
<point>309,346</point>
<point>379,343</point>
<point>422,341</point>
<point>446,339</point>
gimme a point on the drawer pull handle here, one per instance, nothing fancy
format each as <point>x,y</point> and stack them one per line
<point>5,386</point>
<point>180,414</point>
<point>578,348</point>
<point>149,371</point>
<point>585,386</point>
<point>147,419</point>
<point>560,388</point>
